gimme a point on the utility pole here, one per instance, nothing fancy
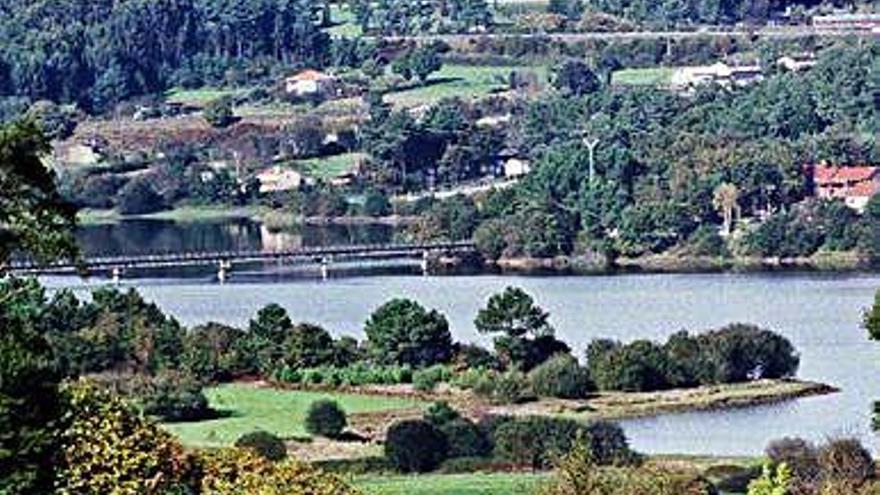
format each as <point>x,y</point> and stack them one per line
<point>591,147</point>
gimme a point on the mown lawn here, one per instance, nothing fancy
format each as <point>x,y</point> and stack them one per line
<point>651,76</point>
<point>200,96</point>
<point>464,81</point>
<point>282,412</point>
<point>328,167</point>
<point>453,484</point>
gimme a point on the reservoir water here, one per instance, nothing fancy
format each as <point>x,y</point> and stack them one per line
<point>820,313</point>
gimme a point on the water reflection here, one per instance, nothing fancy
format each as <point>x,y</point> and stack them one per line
<point>159,236</point>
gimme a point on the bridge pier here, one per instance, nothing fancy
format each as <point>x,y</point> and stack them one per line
<point>223,269</point>
<point>425,268</point>
<point>115,275</point>
<point>325,268</point>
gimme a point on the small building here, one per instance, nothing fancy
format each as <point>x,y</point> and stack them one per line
<point>719,73</point>
<point>278,178</point>
<point>516,167</point>
<point>797,63</point>
<point>310,83</point>
<point>854,185</point>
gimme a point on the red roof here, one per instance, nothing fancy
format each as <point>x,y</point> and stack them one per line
<point>310,75</point>
<point>864,189</point>
<point>826,175</point>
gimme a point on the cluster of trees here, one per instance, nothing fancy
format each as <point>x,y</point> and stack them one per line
<point>412,17</point>
<point>103,52</point>
<point>665,165</point>
<point>446,437</point>
<point>735,353</point>
<point>797,466</point>
<point>444,147</point>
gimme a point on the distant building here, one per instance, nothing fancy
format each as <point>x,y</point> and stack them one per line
<point>854,185</point>
<point>720,73</point>
<point>310,83</point>
<point>516,167</point>
<point>797,63</point>
<point>847,22</point>
<point>278,178</point>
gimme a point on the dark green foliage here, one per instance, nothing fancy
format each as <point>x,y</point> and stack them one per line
<point>376,204</point>
<point>539,442</point>
<point>735,353</point>
<point>174,397</point>
<point>440,414</point>
<point>403,332</point>
<point>138,197</point>
<point>426,380</point>
<point>802,458</point>
<point>465,439</point>
<point>33,217</point>
<point>264,444</point>
<point>356,374</point>
<point>415,446</point>
<point>511,387</point>
<point>309,346</point>
<point>471,356</point>
<point>212,353</point>
<point>325,418</point>
<point>561,376</point>
<point>99,53</point>
<point>29,401</point>
<point>575,77</point>
<point>526,337</point>
<point>219,112</point>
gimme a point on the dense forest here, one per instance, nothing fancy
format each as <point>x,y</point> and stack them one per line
<point>98,53</point>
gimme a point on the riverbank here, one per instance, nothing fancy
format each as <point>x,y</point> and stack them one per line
<point>664,263</point>
<point>600,406</point>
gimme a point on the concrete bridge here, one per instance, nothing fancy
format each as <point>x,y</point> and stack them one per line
<point>225,261</point>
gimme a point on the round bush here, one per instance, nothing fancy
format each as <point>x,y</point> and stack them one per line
<point>465,439</point>
<point>264,444</point>
<point>845,459</point>
<point>415,446</point>
<point>562,377</point>
<point>326,419</point>
<point>440,414</point>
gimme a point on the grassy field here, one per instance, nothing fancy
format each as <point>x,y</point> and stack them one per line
<point>326,168</point>
<point>345,24</point>
<point>463,81</point>
<point>453,484</point>
<point>280,412</point>
<point>200,96</point>
<point>652,76</point>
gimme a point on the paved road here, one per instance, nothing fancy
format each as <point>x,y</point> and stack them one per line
<point>794,32</point>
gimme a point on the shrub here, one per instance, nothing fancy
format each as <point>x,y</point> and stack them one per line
<point>469,378</point>
<point>106,447</point>
<point>175,397</point>
<point>539,441</point>
<point>403,332</point>
<point>415,446</point>
<point>511,387</point>
<point>469,356</point>
<point>578,474</point>
<point>802,458</point>
<point>427,379</point>
<point>465,439</point>
<point>219,113</point>
<point>325,418</point>
<point>264,444</point>
<point>441,413</point>
<point>562,377</point>
<point>845,460</point>
<point>139,197</point>
<point>235,472</point>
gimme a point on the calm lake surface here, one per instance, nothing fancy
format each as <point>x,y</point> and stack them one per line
<point>819,313</point>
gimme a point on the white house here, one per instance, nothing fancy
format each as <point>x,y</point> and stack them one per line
<point>278,178</point>
<point>719,73</point>
<point>310,83</point>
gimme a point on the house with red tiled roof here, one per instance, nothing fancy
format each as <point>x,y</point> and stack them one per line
<point>310,82</point>
<point>854,185</point>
